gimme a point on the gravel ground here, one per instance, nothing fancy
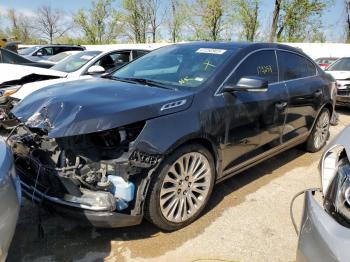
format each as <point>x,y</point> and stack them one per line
<point>247,220</point>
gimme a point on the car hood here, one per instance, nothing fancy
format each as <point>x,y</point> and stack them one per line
<point>10,73</point>
<point>29,88</point>
<point>97,104</point>
<point>340,75</point>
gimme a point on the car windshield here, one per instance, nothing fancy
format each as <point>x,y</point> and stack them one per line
<point>183,66</point>
<point>58,57</point>
<point>342,64</point>
<point>28,50</point>
<point>75,62</point>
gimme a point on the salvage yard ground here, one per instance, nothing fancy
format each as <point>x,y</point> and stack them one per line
<point>247,220</point>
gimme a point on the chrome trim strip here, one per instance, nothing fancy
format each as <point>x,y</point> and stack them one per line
<point>58,200</point>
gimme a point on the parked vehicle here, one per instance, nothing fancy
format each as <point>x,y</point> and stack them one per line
<point>340,70</point>
<point>40,52</point>
<point>10,197</point>
<point>9,57</point>
<point>98,62</point>
<point>325,231</point>
<point>154,137</point>
<point>325,62</point>
<point>82,65</point>
<point>55,59</point>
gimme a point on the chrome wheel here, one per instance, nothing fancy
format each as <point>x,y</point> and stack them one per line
<point>185,187</point>
<point>322,129</point>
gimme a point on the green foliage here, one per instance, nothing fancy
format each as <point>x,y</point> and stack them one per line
<point>207,18</point>
<point>100,24</point>
<point>247,16</point>
<point>296,18</point>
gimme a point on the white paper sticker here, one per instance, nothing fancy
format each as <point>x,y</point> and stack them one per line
<point>213,51</point>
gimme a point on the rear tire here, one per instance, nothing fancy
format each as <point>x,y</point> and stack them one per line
<point>320,132</point>
<point>180,188</point>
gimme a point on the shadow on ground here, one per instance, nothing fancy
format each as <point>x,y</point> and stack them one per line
<point>67,240</point>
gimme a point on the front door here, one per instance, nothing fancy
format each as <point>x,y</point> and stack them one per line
<point>255,119</point>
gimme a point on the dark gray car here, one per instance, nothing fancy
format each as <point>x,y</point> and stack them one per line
<point>325,231</point>
<point>10,195</point>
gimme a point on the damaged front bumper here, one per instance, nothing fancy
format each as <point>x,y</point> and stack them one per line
<point>321,238</point>
<point>99,178</point>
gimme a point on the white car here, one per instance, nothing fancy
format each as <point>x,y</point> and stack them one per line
<point>55,59</point>
<point>340,70</point>
<point>13,76</point>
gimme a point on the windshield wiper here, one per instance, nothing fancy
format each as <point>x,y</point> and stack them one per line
<point>139,81</point>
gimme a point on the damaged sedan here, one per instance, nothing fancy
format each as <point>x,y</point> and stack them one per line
<point>152,139</point>
<point>325,231</point>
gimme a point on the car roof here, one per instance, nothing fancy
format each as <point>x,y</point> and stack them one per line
<point>242,45</point>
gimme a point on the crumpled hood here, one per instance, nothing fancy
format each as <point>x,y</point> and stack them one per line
<point>340,75</point>
<point>92,105</point>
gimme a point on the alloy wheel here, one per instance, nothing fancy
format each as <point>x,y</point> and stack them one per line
<point>185,187</point>
<point>322,129</point>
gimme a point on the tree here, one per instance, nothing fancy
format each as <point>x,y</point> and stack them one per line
<point>276,14</point>
<point>137,19</point>
<point>100,24</point>
<point>50,23</point>
<point>20,27</point>
<point>155,18</point>
<point>175,21</point>
<point>347,22</point>
<point>296,17</point>
<point>247,15</point>
<point>208,16</point>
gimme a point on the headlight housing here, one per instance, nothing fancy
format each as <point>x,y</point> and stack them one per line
<point>9,91</point>
<point>329,166</point>
<point>336,184</point>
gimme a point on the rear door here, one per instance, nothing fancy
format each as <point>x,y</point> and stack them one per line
<point>256,118</point>
<point>305,91</point>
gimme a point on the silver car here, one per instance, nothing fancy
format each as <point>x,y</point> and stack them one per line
<point>10,195</point>
<point>325,230</point>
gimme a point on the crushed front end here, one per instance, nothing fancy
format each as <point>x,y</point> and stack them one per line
<point>99,176</point>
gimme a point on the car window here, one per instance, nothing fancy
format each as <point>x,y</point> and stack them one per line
<point>75,62</point>
<point>260,64</point>
<point>342,64</point>
<point>46,51</point>
<point>28,50</point>
<point>186,67</point>
<point>140,53</point>
<point>113,60</point>
<point>293,66</point>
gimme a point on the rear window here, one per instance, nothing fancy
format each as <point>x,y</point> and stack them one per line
<point>342,64</point>
<point>293,66</point>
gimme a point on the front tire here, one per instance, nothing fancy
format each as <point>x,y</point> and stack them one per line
<point>180,188</point>
<point>320,132</point>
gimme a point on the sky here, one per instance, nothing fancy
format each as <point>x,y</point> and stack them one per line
<point>332,17</point>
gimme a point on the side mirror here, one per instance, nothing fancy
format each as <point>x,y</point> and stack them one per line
<point>96,69</point>
<point>39,53</point>
<point>250,83</point>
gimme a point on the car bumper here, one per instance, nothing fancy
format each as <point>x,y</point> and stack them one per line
<point>343,100</point>
<point>321,238</point>
<point>102,219</point>
<point>9,199</point>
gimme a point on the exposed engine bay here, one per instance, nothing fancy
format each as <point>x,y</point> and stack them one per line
<point>98,171</point>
